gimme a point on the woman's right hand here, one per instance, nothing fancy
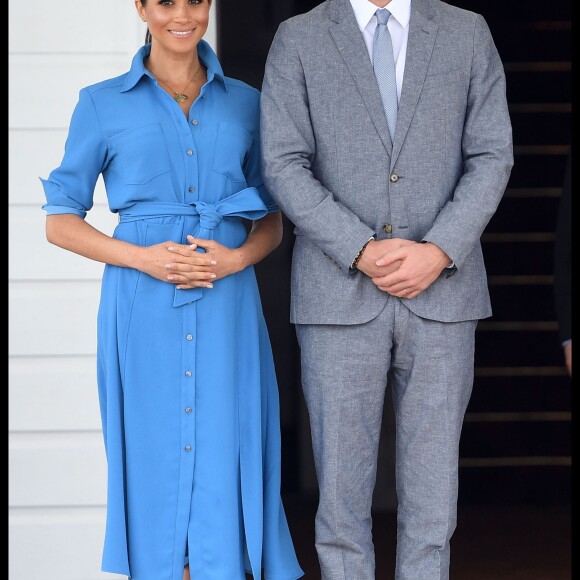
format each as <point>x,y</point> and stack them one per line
<point>196,269</point>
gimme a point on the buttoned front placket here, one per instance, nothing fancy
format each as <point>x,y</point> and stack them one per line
<point>189,135</point>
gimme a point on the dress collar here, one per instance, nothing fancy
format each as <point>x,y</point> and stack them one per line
<point>206,55</point>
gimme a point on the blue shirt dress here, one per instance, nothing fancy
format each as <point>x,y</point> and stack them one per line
<point>187,386</point>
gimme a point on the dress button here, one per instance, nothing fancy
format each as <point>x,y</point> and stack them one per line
<point>189,337</point>
<point>191,188</point>
<point>188,409</point>
<point>190,152</point>
<point>388,229</point>
<point>394,178</point>
<point>187,373</point>
<point>194,121</point>
<point>187,448</point>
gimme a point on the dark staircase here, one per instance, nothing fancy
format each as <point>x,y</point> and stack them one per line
<point>516,441</point>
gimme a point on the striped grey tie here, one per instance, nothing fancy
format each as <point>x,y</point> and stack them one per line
<point>384,65</point>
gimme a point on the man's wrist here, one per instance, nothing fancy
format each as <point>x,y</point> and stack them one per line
<point>451,265</point>
<point>355,262</point>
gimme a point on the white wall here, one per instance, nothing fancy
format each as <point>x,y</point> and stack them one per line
<point>57,468</point>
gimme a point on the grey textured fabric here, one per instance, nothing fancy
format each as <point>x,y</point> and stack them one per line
<point>384,67</point>
<point>344,373</point>
<point>330,164</point>
<point>327,156</point>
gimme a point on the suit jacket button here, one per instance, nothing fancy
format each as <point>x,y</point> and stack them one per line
<point>394,178</point>
<point>388,229</point>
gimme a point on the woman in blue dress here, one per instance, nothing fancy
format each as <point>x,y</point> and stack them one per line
<point>187,387</point>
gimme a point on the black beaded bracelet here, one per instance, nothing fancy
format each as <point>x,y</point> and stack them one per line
<point>358,256</point>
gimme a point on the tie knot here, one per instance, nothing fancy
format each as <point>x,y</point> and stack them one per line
<point>383,15</point>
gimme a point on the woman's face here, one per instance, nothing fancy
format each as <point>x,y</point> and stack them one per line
<point>175,25</point>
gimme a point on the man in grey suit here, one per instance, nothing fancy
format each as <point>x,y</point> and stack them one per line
<point>388,277</point>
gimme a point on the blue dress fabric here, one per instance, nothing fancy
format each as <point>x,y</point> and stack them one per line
<point>187,387</point>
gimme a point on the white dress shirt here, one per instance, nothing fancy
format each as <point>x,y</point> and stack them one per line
<point>398,24</point>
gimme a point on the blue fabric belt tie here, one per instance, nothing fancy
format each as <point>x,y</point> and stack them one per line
<point>201,219</point>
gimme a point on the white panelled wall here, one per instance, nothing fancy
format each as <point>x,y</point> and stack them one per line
<point>57,466</point>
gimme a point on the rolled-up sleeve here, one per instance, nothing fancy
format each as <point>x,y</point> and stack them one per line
<point>69,187</point>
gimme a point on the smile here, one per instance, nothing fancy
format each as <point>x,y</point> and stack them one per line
<point>181,32</point>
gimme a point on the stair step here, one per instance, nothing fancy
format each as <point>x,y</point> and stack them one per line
<point>509,305</point>
<point>541,389</point>
<point>538,82</point>
<point>546,131</point>
<point>510,260</point>
<point>519,11</point>
<point>503,439</point>
<point>518,348</point>
<point>530,172</point>
<point>520,215</point>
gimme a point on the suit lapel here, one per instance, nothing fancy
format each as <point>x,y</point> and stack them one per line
<point>350,43</point>
<point>422,34</point>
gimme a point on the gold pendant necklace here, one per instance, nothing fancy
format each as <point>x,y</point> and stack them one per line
<point>177,96</point>
<point>181,95</point>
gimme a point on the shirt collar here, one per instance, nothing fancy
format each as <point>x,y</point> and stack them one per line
<point>364,10</point>
<point>206,55</point>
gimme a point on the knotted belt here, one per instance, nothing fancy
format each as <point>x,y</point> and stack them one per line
<point>200,219</point>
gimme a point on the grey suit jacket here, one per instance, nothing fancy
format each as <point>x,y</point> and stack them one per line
<point>329,164</point>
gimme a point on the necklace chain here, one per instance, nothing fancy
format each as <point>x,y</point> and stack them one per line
<point>181,95</point>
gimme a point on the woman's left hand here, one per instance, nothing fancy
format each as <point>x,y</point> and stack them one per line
<point>225,261</point>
